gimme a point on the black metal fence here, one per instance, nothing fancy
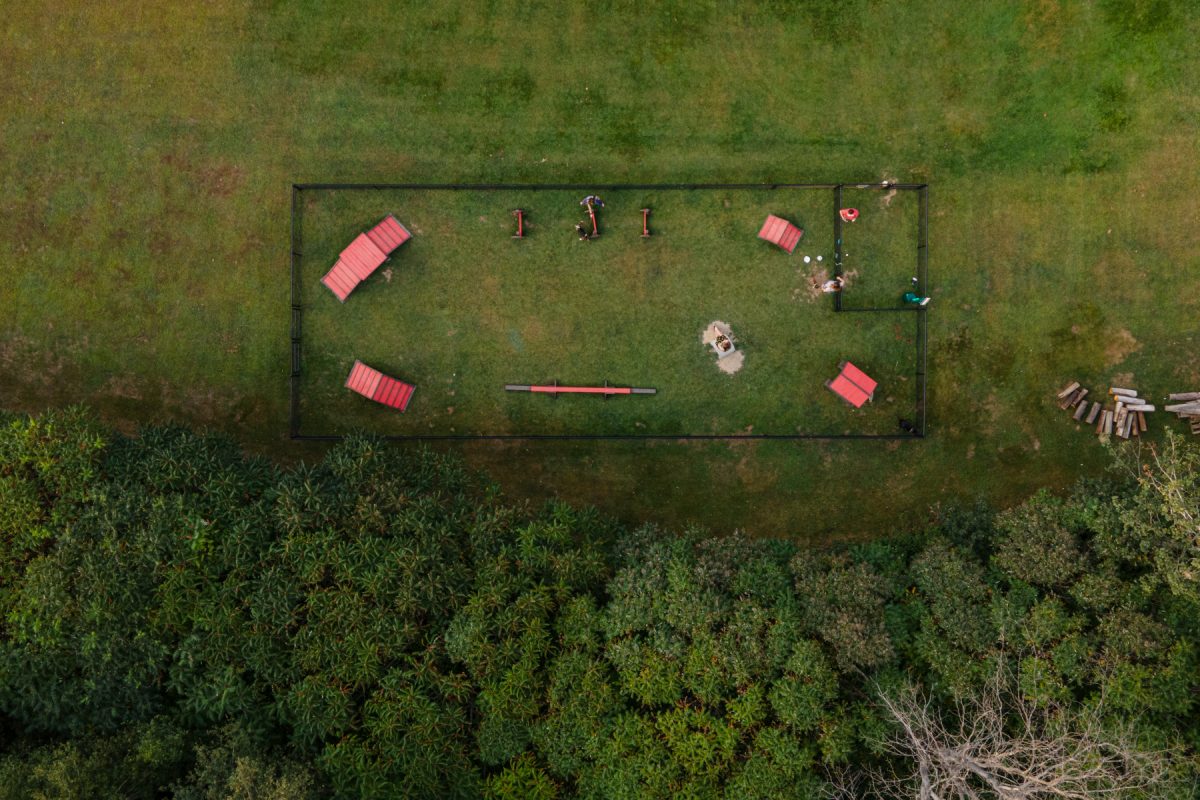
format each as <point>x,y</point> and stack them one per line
<point>919,312</point>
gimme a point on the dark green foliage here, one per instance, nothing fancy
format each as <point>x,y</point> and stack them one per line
<point>380,625</point>
<point>843,604</point>
<point>1037,543</point>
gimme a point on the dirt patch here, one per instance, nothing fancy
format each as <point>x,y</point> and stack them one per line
<point>994,410</point>
<point>812,285</point>
<point>812,282</point>
<point>26,364</point>
<point>730,363</point>
<point>220,180</point>
<point>886,200</point>
<point>1122,379</point>
<point>752,474</point>
<point>124,386</point>
<point>534,330</point>
<point>1120,346</point>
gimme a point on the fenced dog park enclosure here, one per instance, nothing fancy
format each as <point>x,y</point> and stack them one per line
<point>479,298</point>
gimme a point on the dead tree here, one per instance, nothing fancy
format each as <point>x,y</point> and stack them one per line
<point>1003,746</point>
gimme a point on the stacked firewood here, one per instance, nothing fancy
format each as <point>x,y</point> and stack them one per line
<point>1129,416</point>
<point>1126,418</point>
<point>1188,408</point>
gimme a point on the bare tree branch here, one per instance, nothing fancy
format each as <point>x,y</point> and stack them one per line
<point>1003,746</point>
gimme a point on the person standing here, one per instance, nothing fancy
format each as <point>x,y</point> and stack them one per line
<point>913,298</point>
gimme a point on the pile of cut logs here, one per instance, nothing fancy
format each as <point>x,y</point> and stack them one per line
<point>1188,408</point>
<point>1127,418</point>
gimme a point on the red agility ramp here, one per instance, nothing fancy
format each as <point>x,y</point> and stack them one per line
<point>778,230</point>
<point>852,385</point>
<point>374,385</point>
<point>364,255</point>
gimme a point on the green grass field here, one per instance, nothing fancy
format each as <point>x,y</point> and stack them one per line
<point>462,309</point>
<point>148,152</point>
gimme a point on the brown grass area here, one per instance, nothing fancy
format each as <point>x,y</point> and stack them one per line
<point>1119,346</point>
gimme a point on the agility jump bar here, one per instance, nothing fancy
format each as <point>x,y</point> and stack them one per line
<point>555,389</point>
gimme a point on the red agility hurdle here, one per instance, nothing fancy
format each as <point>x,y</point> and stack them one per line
<point>520,215</point>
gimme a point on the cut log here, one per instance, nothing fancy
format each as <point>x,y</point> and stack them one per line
<point>1070,388</point>
<point>1142,420</point>
<point>1184,396</point>
<point>1119,417</point>
<point>1126,392</point>
<point>1080,409</point>
<point>1142,407</point>
<point>1073,398</point>
<point>1092,413</point>
<point>1100,422</point>
<point>1108,423</point>
<point>1185,407</point>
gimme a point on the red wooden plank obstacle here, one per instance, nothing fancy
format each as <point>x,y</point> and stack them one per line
<point>555,389</point>
<point>778,230</point>
<point>852,385</point>
<point>520,215</point>
<point>364,255</point>
<point>374,385</point>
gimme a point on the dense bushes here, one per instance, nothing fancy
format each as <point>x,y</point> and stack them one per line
<point>179,619</point>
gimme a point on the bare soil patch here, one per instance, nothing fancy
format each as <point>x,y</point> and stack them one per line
<point>730,363</point>
<point>1120,346</point>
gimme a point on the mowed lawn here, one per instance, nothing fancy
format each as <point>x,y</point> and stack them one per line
<point>147,153</point>
<point>462,309</point>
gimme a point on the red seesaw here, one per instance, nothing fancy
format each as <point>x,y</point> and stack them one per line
<point>555,389</point>
<point>520,215</point>
<point>645,223</point>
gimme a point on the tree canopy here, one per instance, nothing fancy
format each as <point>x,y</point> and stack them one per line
<point>179,619</point>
